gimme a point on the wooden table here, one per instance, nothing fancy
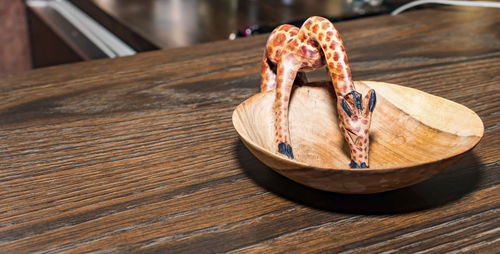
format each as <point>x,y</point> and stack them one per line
<point>139,153</point>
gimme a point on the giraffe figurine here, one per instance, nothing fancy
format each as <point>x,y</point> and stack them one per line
<point>289,53</point>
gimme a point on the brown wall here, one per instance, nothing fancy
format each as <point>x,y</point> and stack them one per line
<point>14,45</point>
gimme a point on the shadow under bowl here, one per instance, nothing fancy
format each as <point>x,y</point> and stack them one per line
<point>414,136</point>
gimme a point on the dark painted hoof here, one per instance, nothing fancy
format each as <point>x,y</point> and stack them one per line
<point>285,149</point>
<point>355,165</point>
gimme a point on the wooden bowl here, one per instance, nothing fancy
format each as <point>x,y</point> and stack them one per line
<point>414,136</point>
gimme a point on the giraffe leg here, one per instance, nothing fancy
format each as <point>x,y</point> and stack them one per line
<point>287,72</point>
<point>268,81</point>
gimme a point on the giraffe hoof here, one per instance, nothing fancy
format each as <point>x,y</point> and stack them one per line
<point>285,149</point>
<point>356,165</point>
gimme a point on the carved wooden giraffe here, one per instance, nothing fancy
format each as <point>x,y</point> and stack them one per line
<point>290,52</point>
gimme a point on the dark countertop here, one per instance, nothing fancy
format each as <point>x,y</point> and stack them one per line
<point>149,24</point>
<point>138,154</point>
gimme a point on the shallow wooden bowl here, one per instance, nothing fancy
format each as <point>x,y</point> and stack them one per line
<point>414,136</point>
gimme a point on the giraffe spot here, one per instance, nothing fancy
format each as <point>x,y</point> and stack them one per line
<point>366,140</point>
<point>307,24</point>
<point>336,56</point>
<point>328,55</point>
<point>366,131</point>
<point>320,62</point>
<point>281,68</point>
<point>279,39</point>
<point>365,122</point>
<point>269,51</point>
<point>345,59</point>
<point>302,38</point>
<point>338,37</point>
<point>277,54</point>
<point>320,36</point>
<point>303,50</point>
<point>342,48</point>
<point>315,28</point>
<point>340,68</point>
<point>278,85</point>
<point>360,156</point>
<point>319,19</point>
<point>325,25</point>
<point>329,33</point>
<point>330,66</point>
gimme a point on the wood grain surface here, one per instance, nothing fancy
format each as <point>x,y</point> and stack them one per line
<point>138,154</point>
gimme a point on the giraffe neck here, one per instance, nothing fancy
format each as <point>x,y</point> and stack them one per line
<point>323,32</point>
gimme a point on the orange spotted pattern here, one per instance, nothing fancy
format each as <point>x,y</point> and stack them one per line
<point>289,53</point>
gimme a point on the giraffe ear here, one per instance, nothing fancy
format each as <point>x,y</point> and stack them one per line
<point>352,103</point>
<point>369,102</point>
<point>357,100</point>
<point>345,106</point>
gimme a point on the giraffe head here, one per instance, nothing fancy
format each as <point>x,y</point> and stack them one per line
<point>355,114</point>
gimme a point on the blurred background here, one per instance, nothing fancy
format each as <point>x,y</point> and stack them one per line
<point>39,33</point>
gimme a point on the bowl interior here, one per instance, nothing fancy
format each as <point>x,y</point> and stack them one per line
<point>409,127</point>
